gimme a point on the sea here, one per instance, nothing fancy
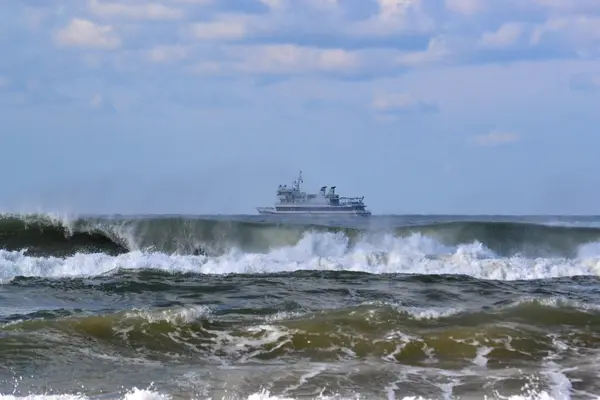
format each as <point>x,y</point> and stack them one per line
<point>255,307</point>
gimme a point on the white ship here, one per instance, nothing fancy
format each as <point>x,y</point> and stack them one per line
<point>291,200</point>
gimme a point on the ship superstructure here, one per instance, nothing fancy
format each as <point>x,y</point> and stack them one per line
<point>291,200</point>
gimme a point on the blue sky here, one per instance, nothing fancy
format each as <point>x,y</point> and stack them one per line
<point>205,106</point>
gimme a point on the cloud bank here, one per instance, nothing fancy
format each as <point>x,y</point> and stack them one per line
<point>395,83</point>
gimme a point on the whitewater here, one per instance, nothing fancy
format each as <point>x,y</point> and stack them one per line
<point>248,307</point>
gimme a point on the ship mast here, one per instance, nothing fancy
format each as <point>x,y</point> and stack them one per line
<point>298,181</point>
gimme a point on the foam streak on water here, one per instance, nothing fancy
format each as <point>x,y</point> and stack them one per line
<point>253,308</point>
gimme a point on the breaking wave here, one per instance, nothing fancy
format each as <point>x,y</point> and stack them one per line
<point>47,235</point>
<point>45,246</point>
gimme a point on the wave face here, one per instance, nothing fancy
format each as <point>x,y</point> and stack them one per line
<point>399,307</point>
<point>44,235</point>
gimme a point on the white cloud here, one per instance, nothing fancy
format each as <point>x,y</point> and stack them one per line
<point>578,29</point>
<point>84,33</point>
<point>349,42</point>
<point>394,16</point>
<point>437,49</point>
<point>226,29</point>
<point>154,11</point>
<point>274,4</point>
<point>289,59</point>
<point>162,54</point>
<point>314,36</point>
<point>4,81</point>
<point>495,138</point>
<point>507,35</point>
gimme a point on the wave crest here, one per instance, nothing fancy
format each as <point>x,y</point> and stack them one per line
<point>46,235</point>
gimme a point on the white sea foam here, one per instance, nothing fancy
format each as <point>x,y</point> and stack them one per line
<point>175,316</point>
<point>558,302</point>
<point>141,394</point>
<point>415,254</point>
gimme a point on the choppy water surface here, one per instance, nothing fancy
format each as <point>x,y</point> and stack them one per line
<point>252,308</point>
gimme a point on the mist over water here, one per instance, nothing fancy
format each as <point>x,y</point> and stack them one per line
<point>264,308</point>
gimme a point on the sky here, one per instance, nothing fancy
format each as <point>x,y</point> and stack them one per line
<point>206,106</point>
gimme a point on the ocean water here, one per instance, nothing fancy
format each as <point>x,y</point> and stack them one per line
<point>249,307</point>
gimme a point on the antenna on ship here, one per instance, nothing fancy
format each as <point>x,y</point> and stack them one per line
<point>299,180</point>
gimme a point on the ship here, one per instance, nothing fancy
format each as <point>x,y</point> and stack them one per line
<point>291,200</point>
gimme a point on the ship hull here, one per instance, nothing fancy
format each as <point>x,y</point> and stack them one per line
<point>309,211</point>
